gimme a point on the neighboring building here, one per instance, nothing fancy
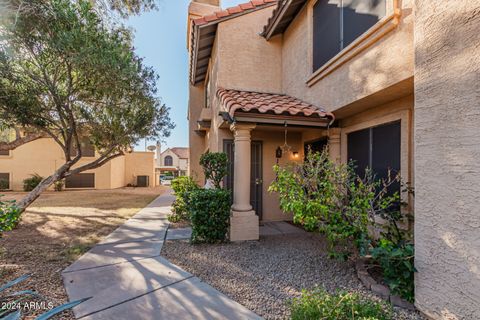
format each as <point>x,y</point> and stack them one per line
<point>173,161</point>
<point>44,156</point>
<point>352,75</point>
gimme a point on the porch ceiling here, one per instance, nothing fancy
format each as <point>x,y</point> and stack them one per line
<point>270,108</point>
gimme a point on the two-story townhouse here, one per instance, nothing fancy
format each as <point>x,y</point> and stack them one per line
<point>391,84</point>
<point>173,161</point>
<point>44,156</point>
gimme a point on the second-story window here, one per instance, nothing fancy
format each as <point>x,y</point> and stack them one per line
<point>337,23</point>
<point>88,150</point>
<point>168,161</point>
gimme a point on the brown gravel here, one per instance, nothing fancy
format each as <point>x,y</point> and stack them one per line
<point>265,275</point>
<point>58,228</point>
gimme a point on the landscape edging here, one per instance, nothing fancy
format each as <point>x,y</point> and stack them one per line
<point>377,288</point>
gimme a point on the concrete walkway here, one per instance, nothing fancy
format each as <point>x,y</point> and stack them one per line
<point>128,279</point>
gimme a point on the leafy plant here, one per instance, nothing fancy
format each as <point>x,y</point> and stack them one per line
<point>397,262</point>
<point>58,185</point>
<point>30,183</point>
<point>4,184</point>
<point>9,216</point>
<point>331,198</point>
<point>19,296</point>
<point>182,186</point>
<point>214,166</point>
<point>318,304</point>
<point>209,211</point>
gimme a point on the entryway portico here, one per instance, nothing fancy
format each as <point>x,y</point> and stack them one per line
<point>283,126</point>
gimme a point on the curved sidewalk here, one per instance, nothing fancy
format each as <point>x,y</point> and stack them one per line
<point>128,279</point>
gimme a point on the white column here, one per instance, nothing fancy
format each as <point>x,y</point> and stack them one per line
<point>243,220</point>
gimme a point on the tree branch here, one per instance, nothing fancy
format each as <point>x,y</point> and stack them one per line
<point>6,146</point>
<point>94,164</point>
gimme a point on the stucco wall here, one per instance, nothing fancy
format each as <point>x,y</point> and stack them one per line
<point>246,60</point>
<point>139,164</point>
<point>381,65</point>
<point>44,156</point>
<point>196,142</point>
<point>447,153</point>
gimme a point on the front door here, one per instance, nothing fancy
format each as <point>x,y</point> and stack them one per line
<point>256,177</point>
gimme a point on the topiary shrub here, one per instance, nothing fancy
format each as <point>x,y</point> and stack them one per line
<point>181,186</point>
<point>209,211</point>
<point>318,304</point>
<point>215,166</point>
<point>30,183</point>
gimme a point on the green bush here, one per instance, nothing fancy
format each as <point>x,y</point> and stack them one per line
<point>209,214</point>
<point>30,183</point>
<point>318,304</point>
<point>4,184</point>
<point>330,198</point>
<point>182,186</point>
<point>9,216</point>
<point>58,185</point>
<point>215,166</point>
<point>397,262</point>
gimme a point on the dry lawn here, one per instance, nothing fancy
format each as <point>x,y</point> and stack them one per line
<point>59,227</point>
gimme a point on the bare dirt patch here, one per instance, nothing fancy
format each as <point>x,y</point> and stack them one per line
<point>58,228</point>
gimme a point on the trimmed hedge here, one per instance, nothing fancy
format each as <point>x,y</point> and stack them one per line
<point>182,186</point>
<point>209,214</point>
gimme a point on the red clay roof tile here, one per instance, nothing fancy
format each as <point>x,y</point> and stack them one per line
<point>246,101</point>
<point>230,11</point>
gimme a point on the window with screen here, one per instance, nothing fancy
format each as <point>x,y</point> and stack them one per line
<point>168,161</point>
<point>80,180</point>
<point>4,153</point>
<point>88,150</point>
<point>337,23</point>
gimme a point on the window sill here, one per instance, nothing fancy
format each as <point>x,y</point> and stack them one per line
<point>363,42</point>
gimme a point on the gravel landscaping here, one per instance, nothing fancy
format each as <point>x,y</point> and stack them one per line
<point>263,276</point>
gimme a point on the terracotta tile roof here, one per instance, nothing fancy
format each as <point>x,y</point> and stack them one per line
<point>182,153</point>
<point>251,5</point>
<point>246,101</point>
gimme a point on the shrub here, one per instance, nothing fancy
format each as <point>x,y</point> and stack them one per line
<point>397,262</point>
<point>58,185</point>
<point>318,304</point>
<point>9,216</point>
<point>4,185</point>
<point>182,186</point>
<point>30,183</point>
<point>209,214</point>
<point>215,166</point>
<point>332,199</point>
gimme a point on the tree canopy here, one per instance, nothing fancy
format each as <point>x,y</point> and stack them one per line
<point>66,74</point>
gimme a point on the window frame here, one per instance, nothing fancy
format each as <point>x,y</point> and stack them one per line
<point>406,142</point>
<point>368,38</point>
<point>165,161</point>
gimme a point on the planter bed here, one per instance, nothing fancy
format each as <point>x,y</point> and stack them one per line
<point>265,275</point>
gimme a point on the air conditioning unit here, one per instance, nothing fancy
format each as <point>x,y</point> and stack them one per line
<point>143,181</point>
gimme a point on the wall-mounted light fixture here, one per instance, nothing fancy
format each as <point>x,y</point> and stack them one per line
<point>295,154</point>
<point>278,153</point>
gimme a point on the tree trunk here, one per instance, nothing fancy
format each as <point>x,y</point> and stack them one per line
<point>42,186</point>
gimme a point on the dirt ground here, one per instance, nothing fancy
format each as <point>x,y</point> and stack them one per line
<point>58,228</point>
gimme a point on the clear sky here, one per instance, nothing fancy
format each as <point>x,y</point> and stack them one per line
<point>160,37</point>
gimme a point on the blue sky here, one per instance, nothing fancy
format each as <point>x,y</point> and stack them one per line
<point>160,37</point>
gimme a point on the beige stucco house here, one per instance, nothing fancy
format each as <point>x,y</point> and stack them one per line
<point>44,156</point>
<point>392,84</point>
<point>172,161</point>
